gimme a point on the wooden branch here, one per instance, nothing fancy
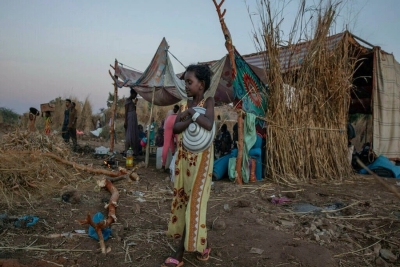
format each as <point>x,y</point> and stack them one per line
<point>81,167</point>
<point>120,175</point>
<point>111,218</point>
<point>114,108</point>
<point>146,160</point>
<point>228,39</point>
<point>379,179</point>
<point>218,7</point>
<point>112,76</point>
<point>239,158</point>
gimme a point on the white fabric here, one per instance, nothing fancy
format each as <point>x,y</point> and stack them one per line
<point>386,106</point>
<point>97,132</point>
<point>172,167</point>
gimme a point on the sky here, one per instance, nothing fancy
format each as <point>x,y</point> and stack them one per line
<point>51,49</point>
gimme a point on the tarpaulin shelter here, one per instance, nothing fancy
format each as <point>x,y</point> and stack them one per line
<point>161,86</point>
<point>248,90</point>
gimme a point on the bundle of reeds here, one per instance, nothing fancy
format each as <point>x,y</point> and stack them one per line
<point>307,105</point>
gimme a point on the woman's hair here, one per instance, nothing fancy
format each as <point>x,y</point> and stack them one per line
<point>133,92</point>
<point>202,73</point>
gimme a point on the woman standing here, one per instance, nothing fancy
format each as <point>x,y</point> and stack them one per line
<point>131,123</point>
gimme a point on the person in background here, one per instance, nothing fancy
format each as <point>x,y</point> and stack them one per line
<point>142,136</point>
<point>47,122</point>
<point>152,131</point>
<point>131,124</point>
<point>64,130</point>
<point>160,137</point>
<point>218,124</point>
<point>235,135</point>
<point>98,124</point>
<point>72,125</point>
<point>33,113</point>
<point>225,141</point>
<point>169,136</point>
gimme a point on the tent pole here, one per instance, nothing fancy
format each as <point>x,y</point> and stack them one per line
<point>239,179</point>
<point>148,131</point>
<point>114,107</point>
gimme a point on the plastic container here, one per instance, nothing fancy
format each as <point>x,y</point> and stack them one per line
<point>159,158</point>
<point>129,158</point>
<point>159,162</point>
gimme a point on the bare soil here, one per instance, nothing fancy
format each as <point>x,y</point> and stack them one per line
<point>359,225</point>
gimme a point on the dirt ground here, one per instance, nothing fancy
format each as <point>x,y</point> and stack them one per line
<point>358,224</point>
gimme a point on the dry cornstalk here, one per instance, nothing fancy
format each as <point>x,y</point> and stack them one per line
<point>309,94</point>
<point>111,218</point>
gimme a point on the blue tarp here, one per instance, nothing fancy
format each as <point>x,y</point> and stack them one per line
<point>383,162</point>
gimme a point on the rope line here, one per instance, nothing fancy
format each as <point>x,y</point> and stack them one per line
<point>124,65</point>
<point>176,59</point>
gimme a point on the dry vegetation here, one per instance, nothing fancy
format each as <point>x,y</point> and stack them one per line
<point>308,106</point>
<point>26,175</point>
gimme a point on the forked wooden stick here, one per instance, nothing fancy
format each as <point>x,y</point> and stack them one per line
<point>111,218</point>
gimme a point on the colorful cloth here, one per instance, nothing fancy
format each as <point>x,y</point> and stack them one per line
<point>169,137</point>
<point>193,175</point>
<point>249,91</point>
<point>250,138</point>
<point>47,123</point>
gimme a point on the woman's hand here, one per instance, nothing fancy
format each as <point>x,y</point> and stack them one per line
<point>191,111</point>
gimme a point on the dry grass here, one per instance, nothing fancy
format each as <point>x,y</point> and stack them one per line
<point>24,174</point>
<point>308,107</point>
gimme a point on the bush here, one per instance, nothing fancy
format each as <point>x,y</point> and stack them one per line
<point>8,116</point>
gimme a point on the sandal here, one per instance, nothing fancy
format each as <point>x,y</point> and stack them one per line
<point>171,260</point>
<point>205,255</point>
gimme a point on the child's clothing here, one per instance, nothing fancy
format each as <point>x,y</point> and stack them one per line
<point>193,175</point>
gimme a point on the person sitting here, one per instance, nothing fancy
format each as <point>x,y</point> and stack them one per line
<point>235,135</point>
<point>224,141</point>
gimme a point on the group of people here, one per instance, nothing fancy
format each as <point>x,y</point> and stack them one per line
<point>68,130</point>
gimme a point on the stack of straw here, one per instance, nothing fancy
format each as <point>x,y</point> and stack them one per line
<point>308,107</point>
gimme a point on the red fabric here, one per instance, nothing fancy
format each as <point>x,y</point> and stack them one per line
<point>169,137</point>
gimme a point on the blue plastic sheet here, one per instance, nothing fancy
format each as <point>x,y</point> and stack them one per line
<point>27,221</point>
<point>106,231</point>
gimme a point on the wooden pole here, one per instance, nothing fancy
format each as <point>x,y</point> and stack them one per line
<point>146,161</point>
<point>114,107</point>
<point>239,158</point>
